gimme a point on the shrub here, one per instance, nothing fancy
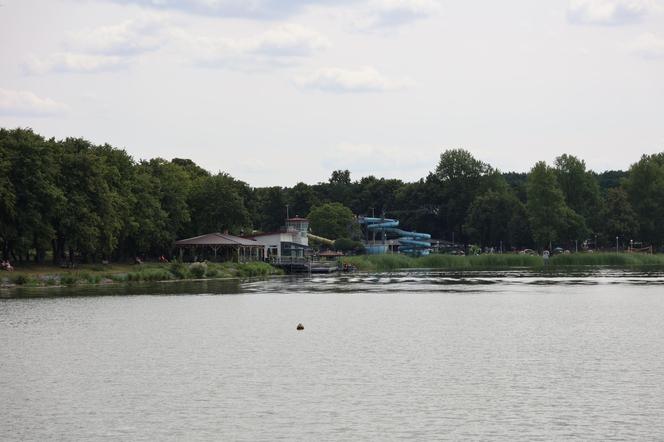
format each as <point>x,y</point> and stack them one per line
<point>20,279</point>
<point>94,279</point>
<point>179,270</point>
<point>68,279</point>
<point>149,274</point>
<point>212,273</point>
<point>118,277</point>
<point>197,269</point>
<point>90,278</point>
<point>252,269</point>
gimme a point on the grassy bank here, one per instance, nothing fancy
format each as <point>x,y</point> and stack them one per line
<point>393,262</point>
<point>39,276</point>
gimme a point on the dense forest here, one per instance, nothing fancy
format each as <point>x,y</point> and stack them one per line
<point>70,199</point>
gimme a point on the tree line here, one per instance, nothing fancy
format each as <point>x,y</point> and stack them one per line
<point>71,199</point>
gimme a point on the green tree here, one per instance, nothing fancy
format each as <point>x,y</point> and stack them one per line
<point>645,187</point>
<point>89,218</point>
<point>418,207</point>
<point>175,185</point>
<point>7,197</point>
<point>548,214</point>
<point>619,217</point>
<point>348,245</point>
<point>580,189</point>
<point>496,217</point>
<point>333,221</point>
<point>216,206</point>
<point>270,208</point>
<point>374,193</point>
<point>33,198</point>
<point>460,178</point>
<point>301,198</point>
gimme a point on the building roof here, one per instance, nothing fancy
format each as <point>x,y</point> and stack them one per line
<point>256,235</point>
<point>296,219</point>
<point>217,239</point>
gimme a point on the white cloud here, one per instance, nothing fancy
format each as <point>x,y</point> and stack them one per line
<point>67,62</point>
<point>130,37</point>
<point>256,9</point>
<point>25,103</point>
<point>107,48</point>
<point>648,46</point>
<point>365,79</point>
<point>281,45</point>
<point>382,14</point>
<point>608,12</point>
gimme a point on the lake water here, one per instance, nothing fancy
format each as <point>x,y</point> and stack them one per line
<point>407,355</point>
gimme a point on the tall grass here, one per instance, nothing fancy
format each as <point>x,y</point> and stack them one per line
<point>253,269</point>
<point>607,259</point>
<point>390,262</point>
<point>150,274</point>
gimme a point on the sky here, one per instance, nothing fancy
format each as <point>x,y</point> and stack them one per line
<point>275,92</point>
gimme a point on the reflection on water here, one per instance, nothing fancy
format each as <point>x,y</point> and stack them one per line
<point>423,355</point>
<point>419,280</point>
<point>426,281</point>
<point>218,286</point>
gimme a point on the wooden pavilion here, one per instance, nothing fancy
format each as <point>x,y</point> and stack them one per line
<point>222,247</point>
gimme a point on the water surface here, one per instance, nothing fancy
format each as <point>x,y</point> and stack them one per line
<point>409,355</point>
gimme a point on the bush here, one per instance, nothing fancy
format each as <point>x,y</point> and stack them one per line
<point>20,279</point>
<point>149,274</point>
<point>198,269</point>
<point>94,279</point>
<point>252,269</point>
<point>179,270</point>
<point>212,273</point>
<point>68,279</point>
<point>118,277</point>
<point>90,278</point>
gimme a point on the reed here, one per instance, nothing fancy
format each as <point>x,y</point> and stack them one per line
<point>607,259</point>
<point>390,262</point>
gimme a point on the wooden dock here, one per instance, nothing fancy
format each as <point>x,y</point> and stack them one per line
<point>304,265</point>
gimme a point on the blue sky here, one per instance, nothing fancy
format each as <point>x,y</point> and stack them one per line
<point>280,91</point>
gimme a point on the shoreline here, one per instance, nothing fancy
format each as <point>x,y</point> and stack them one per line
<point>92,275</point>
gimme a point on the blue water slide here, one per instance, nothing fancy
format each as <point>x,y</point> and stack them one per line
<point>409,242</point>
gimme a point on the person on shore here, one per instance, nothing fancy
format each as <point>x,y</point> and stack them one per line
<point>6,265</point>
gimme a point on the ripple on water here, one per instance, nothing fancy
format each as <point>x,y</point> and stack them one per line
<point>423,355</point>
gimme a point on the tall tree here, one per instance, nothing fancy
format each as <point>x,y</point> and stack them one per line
<point>35,199</point>
<point>270,208</point>
<point>333,221</point>
<point>460,178</point>
<point>498,217</point>
<point>645,187</point>
<point>301,198</point>
<point>546,206</point>
<point>579,187</point>
<point>216,206</point>
<point>620,220</point>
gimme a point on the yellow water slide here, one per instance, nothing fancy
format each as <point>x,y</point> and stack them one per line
<point>320,239</point>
